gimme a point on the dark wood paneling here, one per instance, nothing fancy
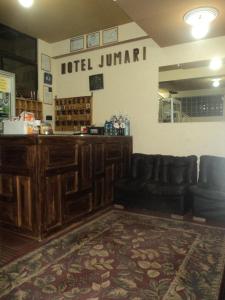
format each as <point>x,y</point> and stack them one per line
<point>85,166</point>
<point>7,187</point>
<point>113,151</point>
<point>8,213</point>
<point>109,179</point>
<point>8,199</point>
<point>52,202</point>
<point>99,158</point>
<point>47,182</point>
<point>70,182</point>
<point>24,200</point>
<point>22,157</point>
<point>78,206</point>
<point>126,158</point>
<point>99,192</point>
<point>59,155</point>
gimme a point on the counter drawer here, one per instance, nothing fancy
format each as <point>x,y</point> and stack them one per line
<point>60,156</point>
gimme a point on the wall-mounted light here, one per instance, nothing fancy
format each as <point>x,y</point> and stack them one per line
<point>26,3</point>
<point>215,63</point>
<point>199,19</point>
<point>216,82</point>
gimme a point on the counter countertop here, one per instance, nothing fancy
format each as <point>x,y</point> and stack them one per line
<point>33,139</point>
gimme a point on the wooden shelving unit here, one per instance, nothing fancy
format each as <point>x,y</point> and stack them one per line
<point>30,105</point>
<point>72,113</point>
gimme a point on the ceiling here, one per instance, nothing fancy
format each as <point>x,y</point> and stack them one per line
<point>190,84</point>
<point>55,20</point>
<point>186,66</point>
<point>163,19</point>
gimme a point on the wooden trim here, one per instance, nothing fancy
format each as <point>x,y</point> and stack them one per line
<point>102,47</point>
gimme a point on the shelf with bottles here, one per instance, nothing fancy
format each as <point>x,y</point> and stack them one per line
<point>72,113</point>
<point>29,105</point>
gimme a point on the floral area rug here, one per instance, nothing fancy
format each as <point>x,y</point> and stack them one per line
<point>122,255</point>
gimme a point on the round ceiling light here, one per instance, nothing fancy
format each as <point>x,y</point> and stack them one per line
<point>216,82</point>
<point>26,3</point>
<point>216,63</point>
<point>200,31</point>
<point>199,19</point>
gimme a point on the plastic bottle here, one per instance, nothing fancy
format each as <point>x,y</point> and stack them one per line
<point>106,128</point>
<point>127,127</point>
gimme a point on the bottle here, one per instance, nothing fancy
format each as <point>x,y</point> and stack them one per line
<point>110,128</point>
<point>127,126</point>
<point>107,128</point>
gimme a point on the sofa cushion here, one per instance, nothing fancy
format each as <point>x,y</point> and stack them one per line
<point>206,208</point>
<point>217,176</point>
<point>145,166</point>
<point>130,185</point>
<point>145,169</point>
<point>204,191</point>
<point>174,170</point>
<point>212,172</point>
<point>169,189</point>
<point>177,174</point>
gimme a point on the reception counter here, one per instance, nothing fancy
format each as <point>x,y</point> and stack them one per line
<point>50,182</point>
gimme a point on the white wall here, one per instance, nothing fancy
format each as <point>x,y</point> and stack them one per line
<point>190,73</point>
<point>195,51</point>
<point>132,89</point>
<point>45,48</point>
<point>128,88</point>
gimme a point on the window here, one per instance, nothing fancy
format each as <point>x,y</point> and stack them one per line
<point>18,54</point>
<point>202,106</point>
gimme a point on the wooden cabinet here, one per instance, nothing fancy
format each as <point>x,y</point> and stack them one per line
<point>30,105</point>
<point>49,182</point>
<point>72,113</point>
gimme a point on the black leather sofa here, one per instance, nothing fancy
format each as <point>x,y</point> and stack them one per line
<point>131,191</point>
<point>209,193</point>
<point>158,182</point>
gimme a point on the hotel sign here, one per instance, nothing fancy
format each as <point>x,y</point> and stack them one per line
<point>107,60</point>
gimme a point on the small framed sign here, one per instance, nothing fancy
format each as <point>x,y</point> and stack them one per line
<point>93,39</point>
<point>96,82</point>
<point>110,36</point>
<point>47,78</point>
<point>47,95</point>
<point>77,43</point>
<point>45,62</point>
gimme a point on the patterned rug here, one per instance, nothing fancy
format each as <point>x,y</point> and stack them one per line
<point>122,255</point>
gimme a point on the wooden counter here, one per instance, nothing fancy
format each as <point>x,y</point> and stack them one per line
<point>49,182</point>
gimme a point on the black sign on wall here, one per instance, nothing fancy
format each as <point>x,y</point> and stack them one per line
<point>96,82</point>
<point>47,78</point>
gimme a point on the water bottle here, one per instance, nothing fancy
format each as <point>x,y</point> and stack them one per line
<point>106,128</point>
<point>127,127</point>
